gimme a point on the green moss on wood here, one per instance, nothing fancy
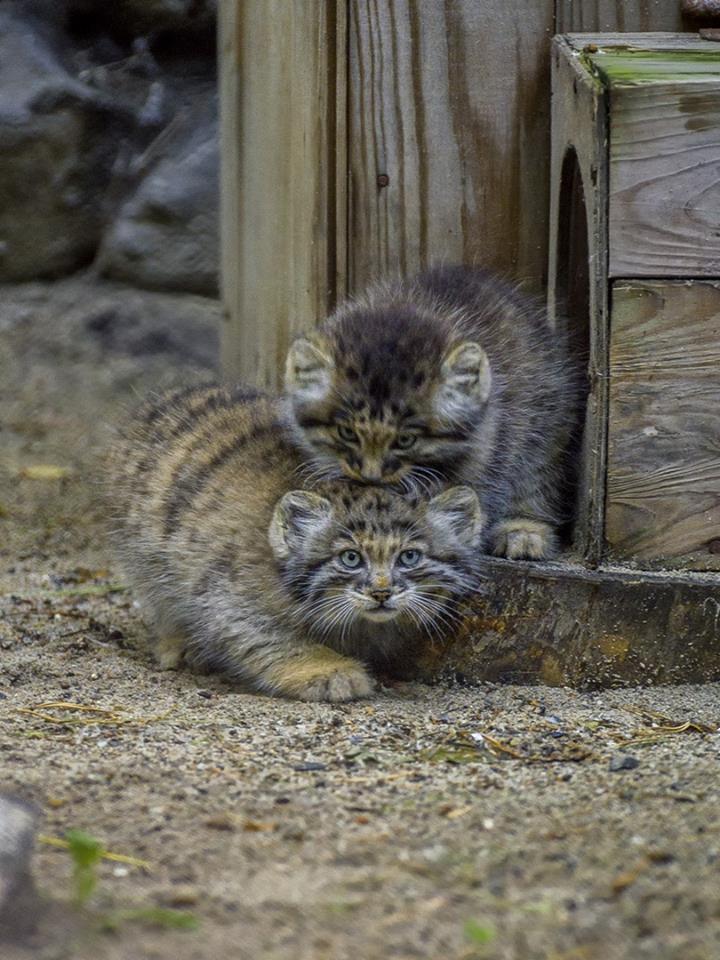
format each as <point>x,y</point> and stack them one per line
<point>623,66</point>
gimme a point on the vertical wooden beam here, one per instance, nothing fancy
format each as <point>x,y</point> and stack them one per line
<point>623,16</point>
<point>282,93</point>
<point>449,135</point>
<point>579,135</point>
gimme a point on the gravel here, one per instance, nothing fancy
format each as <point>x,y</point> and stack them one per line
<point>448,821</point>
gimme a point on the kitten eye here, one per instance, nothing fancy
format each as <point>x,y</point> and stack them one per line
<point>405,440</point>
<point>351,559</point>
<point>409,558</point>
<point>347,433</point>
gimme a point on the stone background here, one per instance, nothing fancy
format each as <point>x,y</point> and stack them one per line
<point>109,142</point>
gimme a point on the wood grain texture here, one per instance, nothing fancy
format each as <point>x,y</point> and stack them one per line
<point>579,131</point>
<point>623,16</point>
<point>665,178</point>
<point>663,484</point>
<point>448,100</point>
<point>283,206</point>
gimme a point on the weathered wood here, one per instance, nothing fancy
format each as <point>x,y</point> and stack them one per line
<point>662,501</point>
<point>565,625</point>
<point>663,486</point>
<point>449,102</point>
<point>579,175</point>
<point>604,16</point>
<point>283,205</point>
<point>664,174</point>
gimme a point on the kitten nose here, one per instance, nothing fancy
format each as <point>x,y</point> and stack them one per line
<point>380,595</point>
<point>372,470</point>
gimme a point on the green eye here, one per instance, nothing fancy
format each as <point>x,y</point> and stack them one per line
<point>409,558</point>
<point>347,433</point>
<point>405,440</point>
<point>351,559</point>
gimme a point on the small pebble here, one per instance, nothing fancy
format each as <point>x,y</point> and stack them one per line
<point>221,821</point>
<point>180,897</point>
<point>207,694</point>
<point>310,765</point>
<point>622,761</point>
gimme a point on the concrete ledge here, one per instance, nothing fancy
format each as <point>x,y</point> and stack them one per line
<point>563,624</point>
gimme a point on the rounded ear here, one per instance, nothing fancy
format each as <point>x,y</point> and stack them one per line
<point>465,373</point>
<point>458,510</point>
<point>309,367</point>
<point>296,514</point>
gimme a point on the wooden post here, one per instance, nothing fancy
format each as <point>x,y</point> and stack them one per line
<point>283,176</point>
<point>449,136</point>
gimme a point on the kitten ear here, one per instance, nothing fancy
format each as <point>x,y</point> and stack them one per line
<point>458,510</point>
<point>309,367</point>
<point>465,374</point>
<point>296,514</point>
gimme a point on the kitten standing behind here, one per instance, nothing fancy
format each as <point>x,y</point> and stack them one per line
<point>292,590</point>
<point>453,376</point>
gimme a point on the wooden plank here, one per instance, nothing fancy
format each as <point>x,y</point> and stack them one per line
<point>449,102</point>
<point>665,178</point>
<point>568,626</point>
<point>283,206</point>
<point>579,129</point>
<point>664,193</point>
<point>624,16</point>
<point>663,486</point>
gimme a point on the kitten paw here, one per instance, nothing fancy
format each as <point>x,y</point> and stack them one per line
<point>524,540</point>
<point>320,676</point>
<point>354,684</point>
<point>169,652</point>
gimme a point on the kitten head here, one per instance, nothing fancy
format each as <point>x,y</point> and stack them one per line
<point>367,554</point>
<point>384,393</point>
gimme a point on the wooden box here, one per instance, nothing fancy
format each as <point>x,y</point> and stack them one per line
<point>634,245</point>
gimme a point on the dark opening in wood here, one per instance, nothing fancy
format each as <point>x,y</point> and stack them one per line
<point>572,296</point>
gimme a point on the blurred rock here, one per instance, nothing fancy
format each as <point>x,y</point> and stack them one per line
<point>165,236</point>
<point>108,141</point>
<point>18,900</point>
<point>59,139</point>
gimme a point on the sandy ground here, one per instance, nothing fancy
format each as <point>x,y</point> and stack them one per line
<point>437,822</point>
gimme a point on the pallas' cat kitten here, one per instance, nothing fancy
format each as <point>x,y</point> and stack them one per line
<point>293,590</point>
<point>451,376</point>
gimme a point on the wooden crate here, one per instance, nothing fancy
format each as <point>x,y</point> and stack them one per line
<point>636,118</point>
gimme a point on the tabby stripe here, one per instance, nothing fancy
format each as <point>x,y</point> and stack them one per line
<point>221,400</point>
<point>190,486</point>
<point>166,404</point>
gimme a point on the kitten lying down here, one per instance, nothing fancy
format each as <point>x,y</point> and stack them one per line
<point>295,591</point>
<point>451,377</point>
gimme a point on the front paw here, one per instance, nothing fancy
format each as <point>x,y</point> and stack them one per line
<point>524,540</point>
<point>320,675</point>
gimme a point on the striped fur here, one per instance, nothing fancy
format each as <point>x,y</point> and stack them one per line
<point>451,377</point>
<point>239,568</point>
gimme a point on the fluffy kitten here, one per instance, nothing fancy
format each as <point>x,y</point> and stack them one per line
<point>451,376</point>
<point>293,590</point>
